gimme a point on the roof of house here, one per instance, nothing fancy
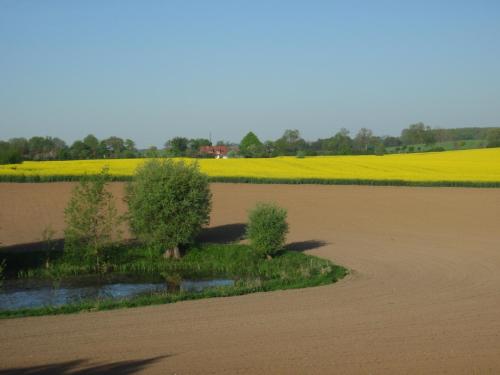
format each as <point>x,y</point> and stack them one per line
<point>214,149</point>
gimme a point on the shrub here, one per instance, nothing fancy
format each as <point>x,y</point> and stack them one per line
<point>169,202</point>
<point>300,154</point>
<point>92,220</point>
<point>267,228</point>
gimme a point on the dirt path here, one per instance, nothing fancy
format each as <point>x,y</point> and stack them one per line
<point>424,295</point>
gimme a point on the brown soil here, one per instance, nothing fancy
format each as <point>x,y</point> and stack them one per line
<point>423,296</point>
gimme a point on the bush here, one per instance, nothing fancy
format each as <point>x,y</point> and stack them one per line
<point>232,154</point>
<point>169,202</point>
<point>267,228</point>
<point>437,149</point>
<point>92,220</point>
<point>300,154</point>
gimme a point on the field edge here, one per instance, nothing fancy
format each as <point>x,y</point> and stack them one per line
<point>267,180</point>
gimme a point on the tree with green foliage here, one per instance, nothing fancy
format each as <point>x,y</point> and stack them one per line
<point>493,138</point>
<point>290,143</point>
<point>92,220</point>
<point>194,146</point>
<point>177,146</point>
<point>45,148</point>
<point>92,144</point>
<point>79,151</point>
<point>113,146</point>
<point>152,152</point>
<point>21,145</point>
<point>363,141</point>
<point>390,141</point>
<point>250,145</point>
<point>169,202</point>
<point>340,144</point>
<point>418,133</point>
<point>267,228</point>
<point>130,151</point>
<point>8,154</point>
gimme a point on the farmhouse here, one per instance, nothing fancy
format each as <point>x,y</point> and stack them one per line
<point>215,151</point>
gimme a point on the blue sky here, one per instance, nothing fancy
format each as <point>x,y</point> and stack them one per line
<point>152,70</point>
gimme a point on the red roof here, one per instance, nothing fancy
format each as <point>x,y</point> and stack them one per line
<point>214,150</point>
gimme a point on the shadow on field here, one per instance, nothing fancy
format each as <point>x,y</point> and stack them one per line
<point>223,233</point>
<point>305,245</point>
<point>57,245</point>
<point>78,367</point>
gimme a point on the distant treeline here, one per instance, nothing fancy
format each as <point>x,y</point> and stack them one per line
<point>364,141</point>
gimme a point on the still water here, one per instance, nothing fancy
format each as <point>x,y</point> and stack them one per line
<point>17,294</point>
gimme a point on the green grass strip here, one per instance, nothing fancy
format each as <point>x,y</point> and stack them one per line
<point>266,180</point>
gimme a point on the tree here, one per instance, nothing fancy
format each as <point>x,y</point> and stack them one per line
<point>112,146</point>
<point>152,152</point>
<point>79,150</point>
<point>418,133</point>
<point>92,144</point>
<point>250,145</point>
<point>390,141</point>
<point>363,140</point>
<point>341,143</point>
<point>493,138</point>
<point>194,145</point>
<point>92,220</point>
<point>290,142</point>
<point>21,146</point>
<point>35,147</point>
<point>130,150</point>
<point>267,228</point>
<point>177,146</point>
<point>169,202</point>
<point>59,149</point>
<point>9,154</point>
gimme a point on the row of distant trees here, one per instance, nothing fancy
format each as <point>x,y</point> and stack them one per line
<point>53,148</point>
<point>363,142</point>
<point>290,143</point>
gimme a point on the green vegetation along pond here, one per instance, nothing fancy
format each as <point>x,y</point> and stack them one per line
<point>135,276</point>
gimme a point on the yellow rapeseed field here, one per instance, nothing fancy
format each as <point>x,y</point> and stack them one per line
<point>481,165</point>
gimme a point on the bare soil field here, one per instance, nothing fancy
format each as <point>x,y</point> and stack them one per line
<point>423,295</point>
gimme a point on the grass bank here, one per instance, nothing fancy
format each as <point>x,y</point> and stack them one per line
<point>289,270</point>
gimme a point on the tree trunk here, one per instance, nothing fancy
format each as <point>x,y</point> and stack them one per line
<point>172,253</point>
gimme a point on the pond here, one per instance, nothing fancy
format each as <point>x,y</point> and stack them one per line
<point>19,294</point>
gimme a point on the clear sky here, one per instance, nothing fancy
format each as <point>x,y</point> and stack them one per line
<point>151,70</point>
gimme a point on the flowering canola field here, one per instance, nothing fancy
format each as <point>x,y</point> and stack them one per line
<point>480,165</point>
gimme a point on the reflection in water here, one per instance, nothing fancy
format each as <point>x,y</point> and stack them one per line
<point>17,294</point>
